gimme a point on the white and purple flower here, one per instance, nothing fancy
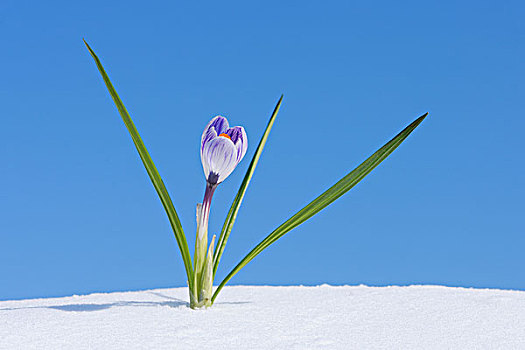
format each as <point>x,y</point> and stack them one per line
<point>222,148</point>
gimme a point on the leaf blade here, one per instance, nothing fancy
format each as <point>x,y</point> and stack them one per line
<point>234,209</point>
<point>325,199</point>
<point>150,169</point>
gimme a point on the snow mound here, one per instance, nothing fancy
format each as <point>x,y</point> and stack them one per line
<point>261,317</point>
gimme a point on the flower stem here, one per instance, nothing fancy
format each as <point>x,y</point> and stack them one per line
<point>201,241</point>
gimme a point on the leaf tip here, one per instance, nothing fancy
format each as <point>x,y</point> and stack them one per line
<point>280,101</point>
<point>420,119</point>
<point>89,49</point>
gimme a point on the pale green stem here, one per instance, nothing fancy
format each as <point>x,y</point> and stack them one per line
<point>201,244</point>
<point>207,277</point>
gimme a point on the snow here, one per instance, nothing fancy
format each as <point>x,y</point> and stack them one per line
<point>261,317</point>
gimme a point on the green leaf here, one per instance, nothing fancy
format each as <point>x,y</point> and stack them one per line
<point>232,214</point>
<point>325,199</point>
<point>152,172</point>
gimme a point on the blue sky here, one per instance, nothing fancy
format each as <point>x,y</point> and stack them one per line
<point>79,214</point>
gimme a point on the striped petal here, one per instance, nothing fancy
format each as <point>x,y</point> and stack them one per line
<point>238,136</point>
<point>219,159</point>
<point>216,126</point>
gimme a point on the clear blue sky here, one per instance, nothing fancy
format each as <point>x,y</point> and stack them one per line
<point>79,214</point>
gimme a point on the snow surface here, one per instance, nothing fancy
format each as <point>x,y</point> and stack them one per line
<point>256,317</point>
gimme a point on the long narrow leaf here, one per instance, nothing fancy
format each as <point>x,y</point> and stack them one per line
<point>152,171</point>
<point>325,199</point>
<point>232,214</point>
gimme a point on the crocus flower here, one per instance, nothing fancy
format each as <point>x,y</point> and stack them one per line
<point>222,148</point>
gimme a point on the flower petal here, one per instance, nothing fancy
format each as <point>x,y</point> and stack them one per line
<point>219,159</point>
<point>216,126</point>
<point>241,145</point>
<point>238,137</point>
<point>244,146</point>
<point>234,133</point>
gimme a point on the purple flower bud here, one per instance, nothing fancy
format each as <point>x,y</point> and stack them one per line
<point>222,148</point>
